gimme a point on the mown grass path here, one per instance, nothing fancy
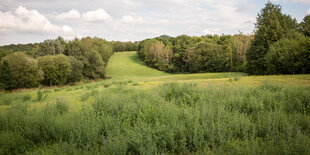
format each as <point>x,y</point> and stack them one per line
<point>124,65</point>
<point>127,65</point>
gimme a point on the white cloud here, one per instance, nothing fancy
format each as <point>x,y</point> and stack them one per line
<point>96,16</point>
<point>302,1</point>
<point>308,12</point>
<point>25,20</point>
<point>72,14</point>
<point>67,29</point>
<point>31,22</point>
<point>296,1</point>
<point>210,31</point>
<point>131,20</point>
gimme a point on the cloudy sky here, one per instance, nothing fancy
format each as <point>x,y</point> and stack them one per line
<point>28,21</point>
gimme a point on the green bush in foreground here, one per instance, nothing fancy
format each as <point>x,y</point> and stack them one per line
<point>172,118</point>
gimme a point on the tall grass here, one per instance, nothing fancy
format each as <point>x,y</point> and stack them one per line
<point>171,118</point>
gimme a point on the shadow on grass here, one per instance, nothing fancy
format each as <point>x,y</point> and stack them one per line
<point>135,58</point>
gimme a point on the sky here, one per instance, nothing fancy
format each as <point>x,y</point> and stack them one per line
<point>29,21</point>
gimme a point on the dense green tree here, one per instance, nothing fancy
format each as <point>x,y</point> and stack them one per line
<point>76,71</point>
<point>304,26</point>
<point>119,46</point>
<point>271,26</point>
<point>229,52</point>
<point>74,48</point>
<point>25,70</point>
<point>56,68</point>
<point>94,66</point>
<point>205,57</point>
<point>290,55</point>
<point>181,44</point>
<point>4,52</point>
<point>50,47</point>
<point>93,53</point>
<point>6,78</point>
<point>103,47</point>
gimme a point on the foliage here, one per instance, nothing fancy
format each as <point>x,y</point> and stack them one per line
<point>156,54</point>
<point>271,26</point>
<point>93,53</point>
<point>207,57</point>
<point>304,26</point>
<point>26,98</point>
<point>6,78</point>
<point>50,47</point>
<point>24,71</point>
<point>119,46</point>
<point>56,68</point>
<point>171,54</point>
<point>172,118</point>
<point>241,45</point>
<point>76,71</point>
<point>290,55</point>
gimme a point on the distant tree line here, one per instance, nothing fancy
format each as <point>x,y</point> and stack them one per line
<point>119,46</point>
<point>9,49</point>
<point>279,46</point>
<point>55,62</point>
<point>210,53</point>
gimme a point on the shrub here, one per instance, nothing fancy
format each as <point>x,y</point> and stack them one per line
<point>206,57</point>
<point>56,69</point>
<point>41,96</point>
<point>289,55</point>
<point>61,106</point>
<point>24,70</point>
<point>26,98</point>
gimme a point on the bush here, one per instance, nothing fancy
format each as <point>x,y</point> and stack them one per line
<point>77,70</point>
<point>289,55</point>
<point>24,71</point>
<point>57,69</point>
<point>206,57</point>
<point>172,118</point>
<point>61,106</point>
<point>41,96</point>
<point>26,98</point>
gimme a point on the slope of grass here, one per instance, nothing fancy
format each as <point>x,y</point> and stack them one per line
<point>127,65</point>
<point>124,65</point>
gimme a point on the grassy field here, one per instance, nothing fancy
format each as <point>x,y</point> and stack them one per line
<point>141,110</point>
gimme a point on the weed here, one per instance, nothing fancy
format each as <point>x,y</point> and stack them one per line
<point>57,89</point>
<point>7,101</point>
<point>40,95</point>
<point>26,98</point>
<point>61,106</point>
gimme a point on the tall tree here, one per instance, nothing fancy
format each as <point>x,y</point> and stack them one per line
<point>304,26</point>
<point>271,26</point>
<point>25,70</point>
<point>6,79</point>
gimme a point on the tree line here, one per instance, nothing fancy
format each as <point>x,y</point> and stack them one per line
<point>279,45</point>
<point>209,53</point>
<point>56,61</point>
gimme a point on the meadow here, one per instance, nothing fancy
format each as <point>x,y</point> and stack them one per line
<point>140,110</point>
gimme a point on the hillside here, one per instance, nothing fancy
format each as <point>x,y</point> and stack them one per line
<point>141,110</point>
